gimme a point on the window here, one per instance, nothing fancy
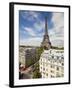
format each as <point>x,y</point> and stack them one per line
<point>52,56</point>
<point>52,71</point>
<point>52,66</point>
<point>62,57</point>
<point>52,76</point>
<point>62,75</point>
<point>59,61</point>
<point>62,64</point>
<point>43,68</point>
<point>41,59</point>
<point>57,68</point>
<point>57,57</point>
<point>57,74</point>
<point>46,74</point>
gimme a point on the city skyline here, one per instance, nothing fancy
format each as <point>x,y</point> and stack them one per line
<point>32,26</point>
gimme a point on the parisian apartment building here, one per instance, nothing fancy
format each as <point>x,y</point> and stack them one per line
<point>52,63</point>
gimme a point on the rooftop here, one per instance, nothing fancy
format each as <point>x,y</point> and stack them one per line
<point>53,54</point>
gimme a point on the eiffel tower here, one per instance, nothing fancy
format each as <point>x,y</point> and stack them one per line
<point>46,44</point>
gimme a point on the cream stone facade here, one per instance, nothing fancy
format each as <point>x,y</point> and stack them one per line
<point>51,63</point>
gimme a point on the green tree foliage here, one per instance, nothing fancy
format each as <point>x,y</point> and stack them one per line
<point>36,72</point>
<point>39,51</point>
<point>53,47</point>
<point>34,58</point>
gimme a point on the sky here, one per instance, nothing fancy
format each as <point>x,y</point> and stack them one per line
<point>32,27</point>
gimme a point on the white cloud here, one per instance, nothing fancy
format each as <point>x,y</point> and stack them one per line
<point>30,31</point>
<point>37,27</point>
<point>40,25</point>
<point>35,41</point>
<point>30,15</point>
<point>57,32</point>
<point>58,19</point>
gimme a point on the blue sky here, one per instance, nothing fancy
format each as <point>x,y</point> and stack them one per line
<point>32,26</point>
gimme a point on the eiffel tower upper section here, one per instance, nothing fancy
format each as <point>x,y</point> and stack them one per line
<point>46,44</point>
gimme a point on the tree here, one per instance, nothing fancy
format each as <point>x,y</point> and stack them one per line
<point>59,48</point>
<point>39,51</point>
<point>36,74</point>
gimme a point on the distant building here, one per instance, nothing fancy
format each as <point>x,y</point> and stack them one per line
<point>27,56</point>
<point>52,63</point>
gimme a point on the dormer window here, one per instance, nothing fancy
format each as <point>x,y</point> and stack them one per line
<point>62,57</point>
<point>57,57</point>
<point>52,56</point>
<point>62,64</point>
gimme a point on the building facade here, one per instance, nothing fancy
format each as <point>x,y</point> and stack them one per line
<point>51,63</point>
<point>27,56</point>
